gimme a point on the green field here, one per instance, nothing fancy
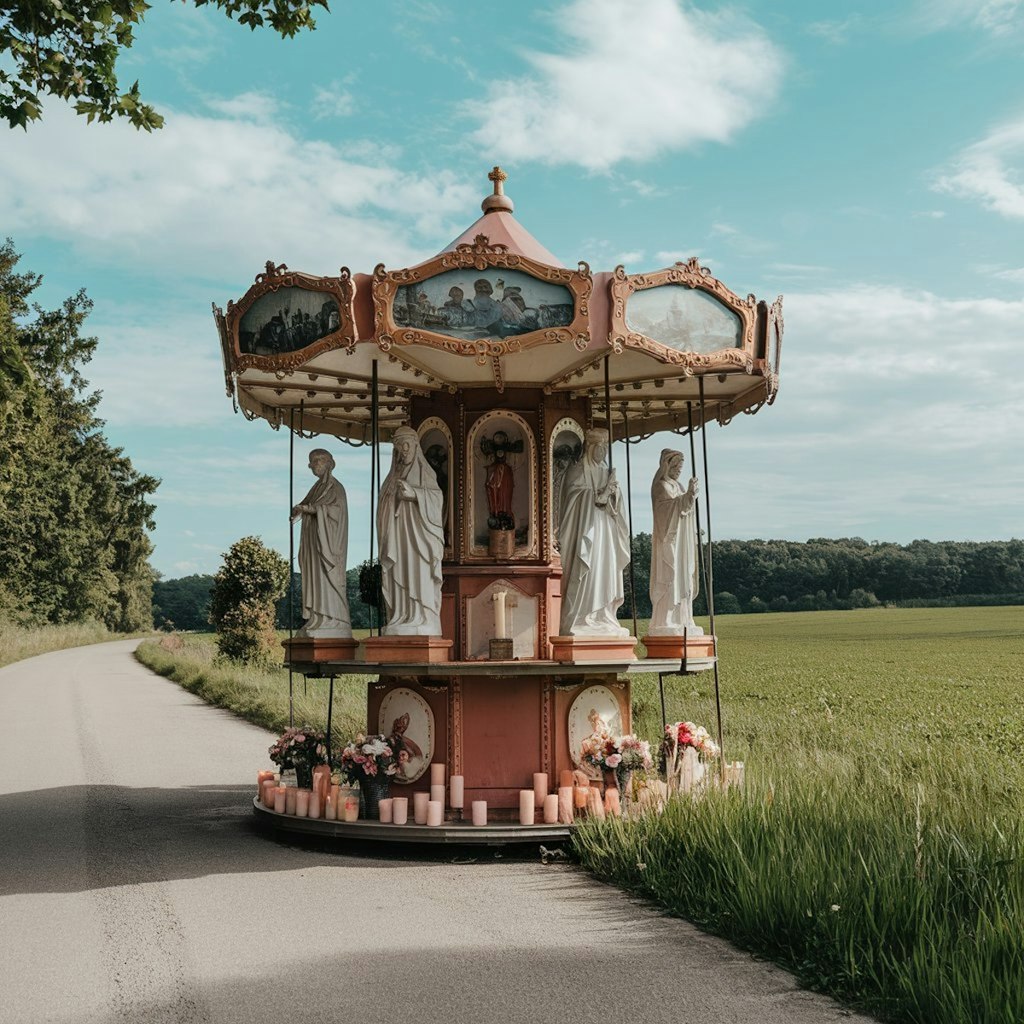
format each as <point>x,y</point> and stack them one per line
<point>877,848</point>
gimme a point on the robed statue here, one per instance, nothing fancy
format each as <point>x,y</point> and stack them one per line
<point>323,552</point>
<point>410,524</point>
<point>593,540</point>
<point>673,550</point>
<point>500,483</point>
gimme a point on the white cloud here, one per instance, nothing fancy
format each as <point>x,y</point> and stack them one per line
<point>1014,275</point>
<point>994,17</point>
<point>990,171</point>
<point>633,256</point>
<point>218,195</point>
<point>631,81</point>
<point>836,31</point>
<point>332,101</point>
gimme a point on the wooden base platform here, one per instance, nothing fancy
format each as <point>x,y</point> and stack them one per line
<point>407,650</point>
<point>451,833</point>
<point>319,648</point>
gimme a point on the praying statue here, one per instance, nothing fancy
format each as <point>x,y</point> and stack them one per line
<point>593,540</point>
<point>323,552</point>
<point>673,550</point>
<point>410,524</point>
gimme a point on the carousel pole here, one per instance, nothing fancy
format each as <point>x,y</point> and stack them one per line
<point>710,592</point>
<point>375,494</point>
<point>608,412</point>
<point>629,508</point>
<point>373,474</point>
<point>291,563</point>
<point>330,714</point>
<point>302,419</point>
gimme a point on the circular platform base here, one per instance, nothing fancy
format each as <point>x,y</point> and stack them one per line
<point>451,833</point>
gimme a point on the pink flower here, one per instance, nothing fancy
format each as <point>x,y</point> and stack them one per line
<point>613,760</point>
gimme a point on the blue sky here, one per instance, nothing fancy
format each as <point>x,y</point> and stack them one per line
<point>864,160</point>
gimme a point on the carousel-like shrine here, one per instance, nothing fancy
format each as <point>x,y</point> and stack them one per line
<point>491,388</point>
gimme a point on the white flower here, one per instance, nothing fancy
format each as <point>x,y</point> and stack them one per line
<point>834,908</point>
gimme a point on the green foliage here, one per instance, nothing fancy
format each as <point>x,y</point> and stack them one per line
<point>73,510</point>
<point>245,589</point>
<point>69,49</point>
<point>877,848</point>
<point>182,603</point>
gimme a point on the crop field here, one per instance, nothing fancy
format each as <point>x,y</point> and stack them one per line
<point>877,849</point>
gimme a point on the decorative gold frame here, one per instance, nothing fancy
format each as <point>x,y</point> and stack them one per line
<point>481,254</point>
<point>773,347</point>
<point>340,288</point>
<point>692,275</point>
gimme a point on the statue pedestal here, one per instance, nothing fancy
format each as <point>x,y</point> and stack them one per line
<point>699,646</point>
<point>319,648</point>
<point>414,650</point>
<point>593,648</point>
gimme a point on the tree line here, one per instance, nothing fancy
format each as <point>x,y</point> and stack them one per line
<point>750,576</point>
<point>74,512</point>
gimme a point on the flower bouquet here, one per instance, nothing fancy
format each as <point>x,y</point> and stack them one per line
<point>686,749</point>
<point>302,749</point>
<point>621,755</point>
<point>371,761</point>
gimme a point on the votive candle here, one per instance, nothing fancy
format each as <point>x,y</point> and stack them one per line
<point>399,810</point>
<point>280,799</point>
<point>330,809</point>
<point>435,813</point>
<point>540,788</point>
<point>479,812</point>
<point>437,774</point>
<point>457,791</point>
<point>565,815</point>
<point>290,800</point>
<point>386,808</point>
<point>437,794</point>
<point>526,806</point>
<point>551,809</point>
<point>351,808</point>
<point>419,807</point>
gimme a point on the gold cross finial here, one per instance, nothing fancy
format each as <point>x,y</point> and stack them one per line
<point>499,177</point>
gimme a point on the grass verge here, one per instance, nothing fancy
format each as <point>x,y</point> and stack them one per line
<point>20,642</point>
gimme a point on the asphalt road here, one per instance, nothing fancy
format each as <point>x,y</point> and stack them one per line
<point>134,887</point>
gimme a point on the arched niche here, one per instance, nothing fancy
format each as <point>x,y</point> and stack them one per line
<point>523,463</point>
<point>436,444</point>
<point>564,449</point>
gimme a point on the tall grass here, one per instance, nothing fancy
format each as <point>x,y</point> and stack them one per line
<point>258,696</point>
<point>18,642</point>
<point>877,849</point>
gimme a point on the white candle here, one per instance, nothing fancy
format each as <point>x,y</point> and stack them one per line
<point>435,813</point>
<point>280,799</point>
<point>458,791</point>
<point>419,807</point>
<point>302,803</point>
<point>386,808</point>
<point>479,810</point>
<point>526,807</point>
<point>399,810</point>
<point>437,774</point>
<point>499,614</point>
<point>314,804</point>
<point>551,809</point>
<point>330,811</point>
<point>437,793</point>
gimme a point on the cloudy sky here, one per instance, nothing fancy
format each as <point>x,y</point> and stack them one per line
<point>864,160</point>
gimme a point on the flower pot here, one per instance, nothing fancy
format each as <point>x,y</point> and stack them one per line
<point>501,543</point>
<point>623,776</point>
<point>304,776</point>
<point>373,789</point>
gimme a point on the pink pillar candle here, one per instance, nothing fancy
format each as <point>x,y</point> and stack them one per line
<point>419,807</point>
<point>565,815</point>
<point>540,788</point>
<point>457,785</point>
<point>322,781</point>
<point>479,811</point>
<point>314,804</point>
<point>437,774</point>
<point>351,808</point>
<point>261,777</point>
<point>565,778</point>
<point>302,803</point>
<point>594,805</point>
<point>580,797</point>
<point>280,799</point>
<point>435,813</point>
<point>387,808</point>
<point>611,803</point>
<point>330,809</point>
<point>290,800</point>
<point>400,810</point>
<point>551,809</point>
<point>526,806</point>
<point>269,788</point>
<point>437,793</point>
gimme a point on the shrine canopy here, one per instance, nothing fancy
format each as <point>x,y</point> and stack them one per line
<point>495,309</point>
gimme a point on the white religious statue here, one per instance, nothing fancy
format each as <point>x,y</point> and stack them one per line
<point>593,540</point>
<point>410,524</point>
<point>673,550</point>
<point>323,552</point>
